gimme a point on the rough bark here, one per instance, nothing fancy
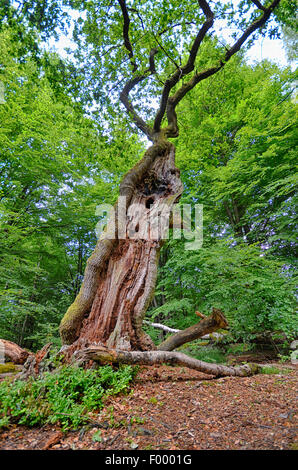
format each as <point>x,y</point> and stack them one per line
<point>205,326</point>
<point>13,353</point>
<point>108,356</point>
<point>120,276</point>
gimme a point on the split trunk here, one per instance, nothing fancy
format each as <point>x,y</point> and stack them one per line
<point>121,273</point>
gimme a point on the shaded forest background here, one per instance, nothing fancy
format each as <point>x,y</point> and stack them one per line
<point>58,162</point>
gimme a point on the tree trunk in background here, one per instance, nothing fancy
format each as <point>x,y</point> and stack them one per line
<point>120,275</point>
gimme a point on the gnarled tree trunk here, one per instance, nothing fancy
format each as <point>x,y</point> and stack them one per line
<point>120,275</point>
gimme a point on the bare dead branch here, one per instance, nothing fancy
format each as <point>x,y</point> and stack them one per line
<point>199,314</point>
<point>205,326</point>
<point>162,327</point>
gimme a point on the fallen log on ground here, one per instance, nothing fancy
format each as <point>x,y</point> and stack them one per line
<point>13,353</point>
<point>149,358</point>
<point>32,362</point>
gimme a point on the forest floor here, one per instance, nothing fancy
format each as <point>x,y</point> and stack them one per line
<point>174,408</point>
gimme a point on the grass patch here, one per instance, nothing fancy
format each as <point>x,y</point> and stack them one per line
<point>64,396</point>
<point>270,370</point>
<point>8,367</point>
<point>210,354</point>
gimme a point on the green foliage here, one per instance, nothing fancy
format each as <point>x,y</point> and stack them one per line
<point>97,436</point>
<point>64,396</point>
<point>55,169</point>
<point>240,160</point>
<point>255,292</point>
<point>210,353</point>
<point>270,370</point>
<point>287,16</point>
<point>237,158</point>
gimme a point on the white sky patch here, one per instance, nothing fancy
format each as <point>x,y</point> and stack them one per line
<point>263,48</point>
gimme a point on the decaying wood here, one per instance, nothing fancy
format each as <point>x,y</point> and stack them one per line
<point>205,326</point>
<point>13,352</point>
<point>120,276</point>
<point>33,365</point>
<point>199,314</point>
<point>167,329</point>
<point>108,356</point>
<point>54,439</point>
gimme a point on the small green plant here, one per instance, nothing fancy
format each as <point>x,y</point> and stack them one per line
<point>4,422</point>
<point>270,370</point>
<point>97,436</point>
<point>148,447</point>
<point>64,396</point>
<point>137,420</point>
<point>239,348</point>
<point>153,401</point>
<point>209,354</point>
<point>284,358</point>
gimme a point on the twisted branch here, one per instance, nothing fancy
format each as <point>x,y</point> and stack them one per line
<point>172,129</point>
<point>168,103</point>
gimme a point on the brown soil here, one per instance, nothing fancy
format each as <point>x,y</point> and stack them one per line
<point>179,409</point>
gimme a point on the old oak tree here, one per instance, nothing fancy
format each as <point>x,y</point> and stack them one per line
<point>142,56</point>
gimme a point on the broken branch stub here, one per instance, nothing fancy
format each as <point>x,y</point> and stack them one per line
<point>207,325</point>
